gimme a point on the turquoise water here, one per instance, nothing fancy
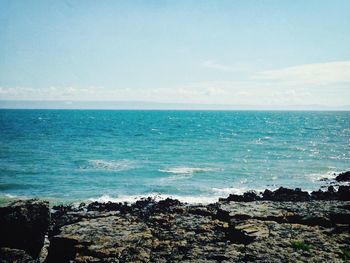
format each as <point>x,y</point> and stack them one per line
<point>196,156</point>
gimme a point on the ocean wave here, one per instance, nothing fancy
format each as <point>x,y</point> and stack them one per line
<point>229,190</point>
<point>8,198</point>
<point>187,170</point>
<point>157,197</point>
<point>315,177</point>
<point>111,165</point>
<point>330,175</point>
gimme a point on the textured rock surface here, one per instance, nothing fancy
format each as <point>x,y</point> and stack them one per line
<point>24,224</point>
<point>297,228</point>
<point>322,213</point>
<point>168,231</point>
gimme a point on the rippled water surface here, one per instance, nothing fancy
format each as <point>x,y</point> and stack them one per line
<point>74,155</point>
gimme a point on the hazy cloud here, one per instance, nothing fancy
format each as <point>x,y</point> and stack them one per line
<point>321,83</point>
<point>337,72</point>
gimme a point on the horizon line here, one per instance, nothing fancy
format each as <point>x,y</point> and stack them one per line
<point>149,105</point>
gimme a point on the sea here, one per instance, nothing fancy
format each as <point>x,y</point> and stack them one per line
<point>71,156</point>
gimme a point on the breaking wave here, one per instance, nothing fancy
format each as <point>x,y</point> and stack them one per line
<point>182,198</point>
<point>111,165</point>
<point>187,170</point>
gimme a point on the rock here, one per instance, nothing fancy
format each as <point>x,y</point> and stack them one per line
<point>344,193</point>
<point>246,197</point>
<point>11,255</point>
<point>167,204</point>
<point>247,231</point>
<point>106,238</point>
<point>343,177</point>
<point>330,194</point>
<point>277,245</point>
<point>262,231</point>
<point>285,194</point>
<point>321,213</point>
<point>109,206</point>
<point>24,225</point>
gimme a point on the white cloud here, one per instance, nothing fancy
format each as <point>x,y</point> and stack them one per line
<point>323,83</point>
<point>49,93</point>
<point>320,74</point>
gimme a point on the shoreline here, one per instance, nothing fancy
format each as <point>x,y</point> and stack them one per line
<point>329,180</point>
<point>276,226</point>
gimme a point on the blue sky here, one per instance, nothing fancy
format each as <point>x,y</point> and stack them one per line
<point>213,52</point>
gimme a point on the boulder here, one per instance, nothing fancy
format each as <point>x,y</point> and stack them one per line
<point>24,225</point>
<point>343,177</point>
<point>246,197</point>
<point>285,194</point>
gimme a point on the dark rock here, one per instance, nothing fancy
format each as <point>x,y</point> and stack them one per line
<point>62,249</point>
<point>200,210</point>
<point>285,194</point>
<point>11,255</point>
<point>330,194</point>
<point>237,236</point>
<point>246,197</point>
<point>105,207</point>
<point>223,215</point>
<point>344,193</point>
<point>167,203</point>
<point>331,189</point>
<point>343,177</point>
<point>24,225</point>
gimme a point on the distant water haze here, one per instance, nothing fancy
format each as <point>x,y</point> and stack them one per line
<point>144,105</point>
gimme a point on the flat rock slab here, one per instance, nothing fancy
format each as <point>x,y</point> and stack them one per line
<point>322,213</point>
<point>261,231</point>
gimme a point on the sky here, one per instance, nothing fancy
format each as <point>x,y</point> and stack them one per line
<point>236,52</point>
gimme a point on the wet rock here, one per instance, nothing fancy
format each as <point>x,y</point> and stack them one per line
<point>285,194</point>
<point>246,197</point>
<point>343,177</point>
<point>24,225</point>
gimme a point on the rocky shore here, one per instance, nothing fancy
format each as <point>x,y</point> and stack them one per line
<point>285,225</point>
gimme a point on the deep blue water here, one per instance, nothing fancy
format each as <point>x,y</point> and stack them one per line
<point>74,155</point>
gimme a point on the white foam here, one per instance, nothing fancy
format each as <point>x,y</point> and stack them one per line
<point>228,190</point>
<point>176,177</point>
<point>187,170</point>
<point>10,196</point>
<point>113,165</point>
<point>315,177</point>
<point>157,197</point>
<point>259,141</point>
<point>224,192</point>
